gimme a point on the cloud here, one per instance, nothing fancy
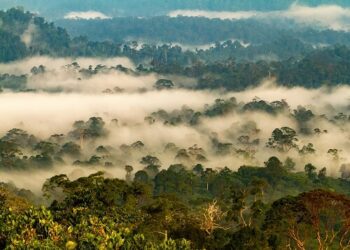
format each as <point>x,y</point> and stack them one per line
<point>38,177</point>
<point>316,99</point>
<point>215,14</point>
<point>73,82</point>
<point>327,16</point>
<point>24,66</point>
<point>52,113</point>
<point>43,114</point>
<point>86,15</point>
<point>323,16</point>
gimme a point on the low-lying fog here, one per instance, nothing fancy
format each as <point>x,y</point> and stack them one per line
<point>44,113</point>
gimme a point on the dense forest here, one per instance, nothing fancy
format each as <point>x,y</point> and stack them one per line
<point>231,210</point>
<point>174,198</point>
<point>122,133</point>
<point>228,64</point>
<point>181,30</point>
<point>327,67</point>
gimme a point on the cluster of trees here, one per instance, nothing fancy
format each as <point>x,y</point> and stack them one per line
<point>22,151</point>
<point>19,83</point>
<point>270,207</point>
<point>13,82</point>
<point>84,144</point>
<point>327,67</point>
<point>42,38</point>
<point>222,107</point>
<point>180,207</point>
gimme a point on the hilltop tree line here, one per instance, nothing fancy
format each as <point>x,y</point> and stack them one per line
<point>199,30</point>
<point>328,67</point>
<point>289,60</point>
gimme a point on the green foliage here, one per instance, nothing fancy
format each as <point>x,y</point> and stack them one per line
<point>167,213</point>
<point>11,47</point>
<point>288,56</point>
<point>188,204</point>
<point>306,220</point>
<point>283,139</point>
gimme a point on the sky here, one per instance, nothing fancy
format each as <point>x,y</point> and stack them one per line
<point>111,8</point>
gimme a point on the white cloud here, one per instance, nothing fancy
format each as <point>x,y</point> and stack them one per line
<point>86,15</point>
<point>326,16</point>
<point>24,66</point>
<point>323,16</point>
<point>214,14</point>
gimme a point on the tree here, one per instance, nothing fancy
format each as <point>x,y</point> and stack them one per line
<point>322,174</point>
<point>288,217</point>
<point>10,156</point>
<point>11,47</point>
<point>208,176</point>
<point>283,139</point>
<point>20,137</point>
<point>183,156</point>
<point>317,217</point>
<point>334,153</point>
<point>128,170</point>
<point>141,176</point>
<point>211,218</point>
<point>198,169</point>
<point>307,149</point>
<point>289,164</point>
<point>8,148</point>
<point>150,160</point>
<point>152,170</point>
<point>47,148</point>
<point>175,180</point>
<point>164,84</point>
<point>239,206</point>
<point>258,187</point>
<point>53,187</point>
<point>329,217</point>
<point>91,129</point>
<point>70,148</point>
<point>303,116</point>
<point>248,144</point>
<point>274,170</point>
<point>310,170</point>
<point>38,70</point>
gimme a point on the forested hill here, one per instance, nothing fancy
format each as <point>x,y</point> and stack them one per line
<point>23,34</point>
<point>198,30</point>
<point>229,64</point>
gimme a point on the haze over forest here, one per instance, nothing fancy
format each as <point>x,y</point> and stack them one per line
<point>180,124</point>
